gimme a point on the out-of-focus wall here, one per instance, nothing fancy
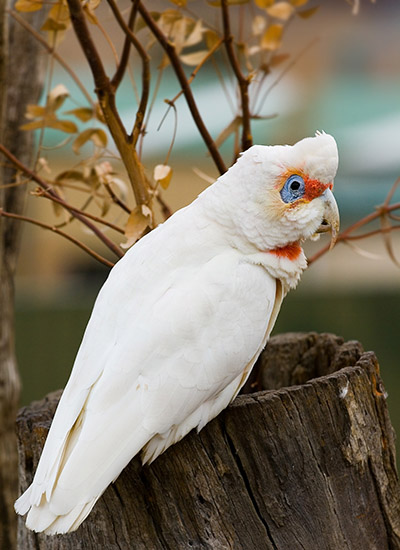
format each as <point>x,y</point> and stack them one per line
<point>346,83</point>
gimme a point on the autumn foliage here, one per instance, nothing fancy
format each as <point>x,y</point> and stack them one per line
<point>242,38</point>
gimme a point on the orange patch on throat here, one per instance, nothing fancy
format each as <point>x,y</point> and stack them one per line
<point>291,251</point>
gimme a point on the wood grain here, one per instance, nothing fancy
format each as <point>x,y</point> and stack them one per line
<point>308,466</point>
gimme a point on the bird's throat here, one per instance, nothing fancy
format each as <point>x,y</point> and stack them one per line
<point>291,251</point>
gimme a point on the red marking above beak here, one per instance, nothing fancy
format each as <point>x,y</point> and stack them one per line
<point>314,188</point>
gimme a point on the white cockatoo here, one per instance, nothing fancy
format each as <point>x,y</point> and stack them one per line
<point>180,322</point>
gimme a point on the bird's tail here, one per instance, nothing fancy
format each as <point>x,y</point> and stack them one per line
<point>41,518</point>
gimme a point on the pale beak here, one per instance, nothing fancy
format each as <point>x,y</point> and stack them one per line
<point>331,221</point>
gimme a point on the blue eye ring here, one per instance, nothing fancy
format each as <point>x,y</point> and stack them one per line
<point>293,189</point>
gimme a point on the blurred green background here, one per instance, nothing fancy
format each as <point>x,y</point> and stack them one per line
<point>348,84</point>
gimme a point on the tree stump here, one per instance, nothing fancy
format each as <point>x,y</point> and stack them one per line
<point>306,464</point>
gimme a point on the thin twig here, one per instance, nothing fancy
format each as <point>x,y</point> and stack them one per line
<point>109,41</point>
<point>284,73</point>
<point>150,109</point>
<point>372,233</point>
<point>52,51</point>
<point>196,70</point>
<point>165,209</point>
<point>92,55</point>
<point>73,209</point>
<point>81,245</point>
<point>223,85</point>
<point>116,199</point>
<point>106,94</point>
<point>391,192</point>
<point>360,223</point>
<point>119,74</point>
<point>44,185</point>
<point>180,74</point>
<point>243,81</point>
<point>145,71</point>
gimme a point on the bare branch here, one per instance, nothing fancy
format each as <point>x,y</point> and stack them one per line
<point>82,32</point>
<point>73,209</point>
<point>180,74</point>
<point>346,235</point>
<point>243,81</point>
<point>81,245</point>
<point>106,95</point>
<point>196,70</point>
<point>288,68</point>
<point>145,71</point>
<point>166,210</point>
<point>119,74</point>
<point>44,185</point>
<point>116,199</point>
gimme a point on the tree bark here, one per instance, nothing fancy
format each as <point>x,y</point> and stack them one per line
<point>301,467</point>
<point>19,85</point>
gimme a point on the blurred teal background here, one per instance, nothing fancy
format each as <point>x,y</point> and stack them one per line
<point>348,84</point>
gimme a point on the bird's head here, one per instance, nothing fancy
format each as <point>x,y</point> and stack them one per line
<point>285,192</point>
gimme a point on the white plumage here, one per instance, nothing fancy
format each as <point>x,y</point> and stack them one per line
<point>179,323</point>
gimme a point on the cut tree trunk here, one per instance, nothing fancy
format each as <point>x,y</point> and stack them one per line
<point>309,466</point>
<point>19,85</point>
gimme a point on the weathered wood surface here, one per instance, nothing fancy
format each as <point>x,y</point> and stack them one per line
<point>304,467</point>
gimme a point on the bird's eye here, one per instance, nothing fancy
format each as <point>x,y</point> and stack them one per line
<point>293,189</point>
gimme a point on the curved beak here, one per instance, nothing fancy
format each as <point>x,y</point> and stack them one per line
<point>331,220</point>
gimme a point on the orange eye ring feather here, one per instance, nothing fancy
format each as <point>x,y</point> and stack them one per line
<point>313,188</point>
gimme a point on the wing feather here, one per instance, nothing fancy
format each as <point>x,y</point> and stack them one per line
<point>164,351</point>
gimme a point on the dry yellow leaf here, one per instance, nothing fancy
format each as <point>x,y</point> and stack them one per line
<point>63,125</point>
<point>177,33</point>
<point>96,135</point>
<point>60,13</point>
<point>28,5</point>
<point>51,121</point>
<point>272,38</point>
<point>70,175</point>
<point>89,8</point>
<point>139,219</point>
<point>264,3</point>
<point>194,59</point>
<point>258,24</point>
<point>281,10</point>
<point>53,26</point>
<point>211,38</point>
<point>195,35</point>
<point>35,111</point>
<point>56,97</point>
<point>57,23</point>
<point>180,3</point>
<point>162,175</point>
<point>83,113</point>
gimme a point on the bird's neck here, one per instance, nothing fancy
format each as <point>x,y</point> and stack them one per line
<point>286,264</point>
<point>256,242</point>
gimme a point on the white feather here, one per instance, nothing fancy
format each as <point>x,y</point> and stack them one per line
<point>172,338</point>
